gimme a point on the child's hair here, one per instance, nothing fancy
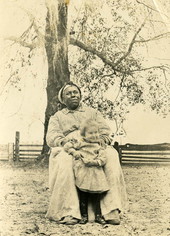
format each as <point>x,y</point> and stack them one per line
<point>88,124</point>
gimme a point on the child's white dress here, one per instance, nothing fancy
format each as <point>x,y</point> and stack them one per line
<point>89,178</point>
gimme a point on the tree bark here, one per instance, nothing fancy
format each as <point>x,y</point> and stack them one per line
<point>56,44</point>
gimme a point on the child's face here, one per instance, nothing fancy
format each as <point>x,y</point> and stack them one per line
<point>92,134</point>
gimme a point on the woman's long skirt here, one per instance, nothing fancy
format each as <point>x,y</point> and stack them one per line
<point>64,197</point>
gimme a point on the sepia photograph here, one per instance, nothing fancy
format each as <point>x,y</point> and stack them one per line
<point>84,118</point>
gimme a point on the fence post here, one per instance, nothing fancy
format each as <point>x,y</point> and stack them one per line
<point>120,155</point>
<point>118,149</point>
<point>17,139</point>
<point>10,151</point>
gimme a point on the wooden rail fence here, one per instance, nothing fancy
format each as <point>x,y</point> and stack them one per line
<point>134,153</point>
<point>6,152</point>
<point>128,153</point>
<point>25,151</point>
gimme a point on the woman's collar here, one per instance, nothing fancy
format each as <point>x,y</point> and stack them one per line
<point>79,108</point>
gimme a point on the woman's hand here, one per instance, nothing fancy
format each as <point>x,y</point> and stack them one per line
<point>101,142</point>
<point>77,155</point>
<point>64,141</point>
<point>89,162</point>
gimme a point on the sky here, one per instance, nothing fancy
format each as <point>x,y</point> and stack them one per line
<point>24,110</point>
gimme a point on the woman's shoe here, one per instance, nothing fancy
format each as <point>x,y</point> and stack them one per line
<point>99,219</point>
<point>84,219</point>
<point>116,218</point>
<point>69,220</point>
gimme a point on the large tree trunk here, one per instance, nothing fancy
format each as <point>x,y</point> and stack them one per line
<point>57,55</point>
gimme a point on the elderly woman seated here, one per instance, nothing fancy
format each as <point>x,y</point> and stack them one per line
<point>63,126</point>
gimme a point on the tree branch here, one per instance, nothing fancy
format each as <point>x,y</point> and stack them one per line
<point>40,36</point>
<point>120,87</point>
<point>101,55</point>
<point>130,45</point>
<point>114,65</point>
<point>157,37</point>
<point>27,30</point>
<point>166,85</point>
<point>7,83</point>
<point>88,48</point>
<point>21,42</point>
<point>151,8</point>
<point>32,19</point>
<point>150,68</point>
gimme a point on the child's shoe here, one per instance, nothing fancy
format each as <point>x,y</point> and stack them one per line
<point>84,219</point>
<point>99,219</point>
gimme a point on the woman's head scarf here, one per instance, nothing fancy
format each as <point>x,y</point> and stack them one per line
<point>69,84</point>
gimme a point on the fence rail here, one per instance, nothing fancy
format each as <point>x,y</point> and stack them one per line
<point>25,151</point>
<point>153,153</point>
<point>6,151</point>
<point>128,153</point>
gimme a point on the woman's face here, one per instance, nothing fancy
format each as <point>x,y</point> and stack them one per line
<point>71,97</point>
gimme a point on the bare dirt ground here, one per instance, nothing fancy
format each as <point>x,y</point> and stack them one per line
<point>24,200</point>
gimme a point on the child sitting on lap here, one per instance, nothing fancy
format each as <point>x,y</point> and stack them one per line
<point>89,159</point>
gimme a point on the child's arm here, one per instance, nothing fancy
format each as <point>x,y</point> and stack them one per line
<point>67,147</point>
<point>76,154</point>
<point>101,158</point>
<point>70,149</point>
<point>89,162</point>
